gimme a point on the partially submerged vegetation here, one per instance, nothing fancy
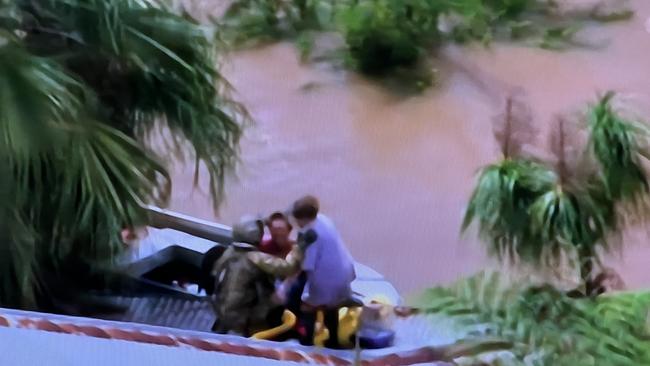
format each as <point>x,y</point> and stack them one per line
<point>532,211</point>
<point>539,212</point>
<point>382,36</point>
<point>253,21</point>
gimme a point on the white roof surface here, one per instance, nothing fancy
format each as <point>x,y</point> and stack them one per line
<point>25,347</point>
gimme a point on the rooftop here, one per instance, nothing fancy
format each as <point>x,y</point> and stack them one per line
<point>65,341</point>
<point>143,306</point>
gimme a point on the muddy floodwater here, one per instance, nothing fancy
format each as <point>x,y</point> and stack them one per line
<point>395,172</point>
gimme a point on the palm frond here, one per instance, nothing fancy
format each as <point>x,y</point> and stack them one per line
<point>545,325</point>
<point>17,267</point>
<point>569,218</point>
<point>10,19</point>
<point>574,214</point>
<point>17,248</point>
<point>616,144</point>
<point>73,181</point>
<point>151,69</point>
<point>80,81</point>
<point>500,202</point>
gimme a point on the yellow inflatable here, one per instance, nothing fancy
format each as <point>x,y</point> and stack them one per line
<point>288,322</point>
<point>348,324</point>
<point>321,333</point>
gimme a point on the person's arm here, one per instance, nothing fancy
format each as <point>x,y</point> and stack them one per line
<point>311,257</point>
<point>284,267</point>
<point>277,266</point>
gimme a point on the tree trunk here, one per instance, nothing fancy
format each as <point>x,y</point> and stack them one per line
<point>586,269</point>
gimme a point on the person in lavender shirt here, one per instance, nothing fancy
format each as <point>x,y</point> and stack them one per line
<point>329,268</point>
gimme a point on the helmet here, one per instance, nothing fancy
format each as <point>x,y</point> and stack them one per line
<point>248,230</point>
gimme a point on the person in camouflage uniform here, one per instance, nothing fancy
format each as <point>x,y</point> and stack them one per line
<point>244,291</point>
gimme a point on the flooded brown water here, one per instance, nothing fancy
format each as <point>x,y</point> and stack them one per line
<point>395,173</point>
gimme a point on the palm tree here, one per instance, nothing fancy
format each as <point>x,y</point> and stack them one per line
<point>506,189</point>
<point>536,211</point>
<point>82,84</point>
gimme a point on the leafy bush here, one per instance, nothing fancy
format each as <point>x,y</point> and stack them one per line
<point>384,34</point>
<point>250,22</point>
<point>485,20</point>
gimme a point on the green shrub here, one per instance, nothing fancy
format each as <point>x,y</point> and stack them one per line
<point>385,37</point>
<point>249,22</point>
<point>384,34</point>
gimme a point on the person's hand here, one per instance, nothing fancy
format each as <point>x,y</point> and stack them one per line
<point>306,239</point>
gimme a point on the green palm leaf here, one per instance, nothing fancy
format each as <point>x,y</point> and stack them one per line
<point>152,69</point>
<point>75,180</point>
<point>536,213</point>
<point>80,80</point>
<point>565,219</point>
<point>501,201</point>
<point>545,326</point>
<point>616,144</point>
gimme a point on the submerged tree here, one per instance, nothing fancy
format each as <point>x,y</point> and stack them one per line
<point>387,37</point>
<point>250,22</point>
<point>83,83</point>
<point>384,34</point>
<point>506,189</point>
<point>537,211</point>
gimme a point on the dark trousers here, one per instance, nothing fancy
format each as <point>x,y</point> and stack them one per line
<point>331,320</point>
<point>308,317</point>
<point>295,294</point>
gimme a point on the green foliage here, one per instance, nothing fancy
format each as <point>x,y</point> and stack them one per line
<point>535,21</point>
<point>501,200</point>
<point>545,325</point>
<point>81,81</point>
<point>618,145</point>
<point>388,36</point>
<point>486,20</point>
<point>535,211</point>
<point>146,64</point>
<point>557,38</point>
<point>250,22</point>
<point>384,34</point>
<point>571,218</point>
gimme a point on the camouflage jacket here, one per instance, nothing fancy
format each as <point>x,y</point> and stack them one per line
<point>276,266</point>
<point>245,285</point>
